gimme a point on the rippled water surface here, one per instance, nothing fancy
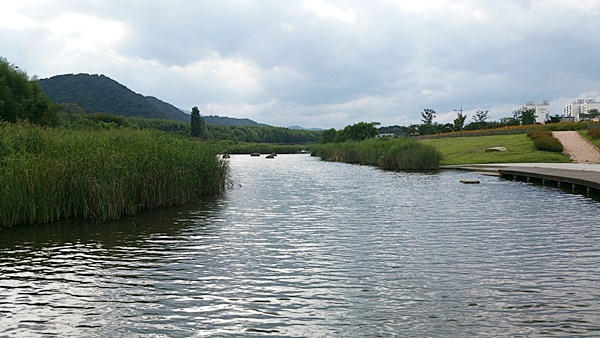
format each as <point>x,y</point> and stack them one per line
<point>305,248</point>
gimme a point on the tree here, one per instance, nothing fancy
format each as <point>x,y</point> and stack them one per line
<point>525,115</point>
<point>22,97</point>
<point>593,114</point>
<point>554,119</point>
<point>459,121</point>
<point>203,133</point>
<point>480,119</point>
<point>195,123</point>
<point>357,132</point>
<point>509,121</point>
<point>427,117</point>
<point>327,136</point>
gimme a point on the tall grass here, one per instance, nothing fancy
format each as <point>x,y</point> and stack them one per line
<point>48,175</point>
<point>388,154</point>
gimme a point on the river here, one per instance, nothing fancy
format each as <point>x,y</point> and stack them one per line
<point>298,247</point>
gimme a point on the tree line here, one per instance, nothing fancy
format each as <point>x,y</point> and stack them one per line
<point>479,120</point>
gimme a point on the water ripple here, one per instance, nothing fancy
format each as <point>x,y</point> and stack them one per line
<point>306,248</point>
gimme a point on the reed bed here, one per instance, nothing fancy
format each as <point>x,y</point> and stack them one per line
<point>47,175</point>
<point>389,154</point>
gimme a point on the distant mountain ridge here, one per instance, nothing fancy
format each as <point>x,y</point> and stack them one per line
<point>231,121</point>
<point>171,112</point>
<point>302,128</point>
<point>99,93</point>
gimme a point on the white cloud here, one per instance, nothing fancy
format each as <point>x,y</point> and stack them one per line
<point>84,33</point>
<point>319,63</point>
<point>329,10</point>
<point>12,18</point>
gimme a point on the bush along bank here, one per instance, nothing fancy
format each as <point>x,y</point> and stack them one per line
<point>594,133</point>
<point>396,154</point>
<point>543,140</point>
<point>47,175</point>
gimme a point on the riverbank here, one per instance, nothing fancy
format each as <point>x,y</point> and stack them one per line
<point>49,175</point>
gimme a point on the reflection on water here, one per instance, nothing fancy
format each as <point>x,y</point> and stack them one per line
<point>307,248</point>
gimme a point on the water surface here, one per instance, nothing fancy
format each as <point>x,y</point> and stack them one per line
<point>300,247</point>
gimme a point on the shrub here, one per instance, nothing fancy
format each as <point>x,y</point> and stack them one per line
<point>539,133</point>
<point>543,140</point>
<point>548,143</point>
<point>594,133</point>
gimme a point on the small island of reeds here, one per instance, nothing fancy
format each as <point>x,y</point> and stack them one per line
<point>397,154</point>
<point>52,174</point>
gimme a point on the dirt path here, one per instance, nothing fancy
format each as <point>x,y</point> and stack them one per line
<point>578,148</point>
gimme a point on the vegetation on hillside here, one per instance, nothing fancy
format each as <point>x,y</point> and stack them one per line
<point>98,93</point>
<point>230,121</point>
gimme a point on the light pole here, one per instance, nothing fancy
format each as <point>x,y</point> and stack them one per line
<point>460,119</point>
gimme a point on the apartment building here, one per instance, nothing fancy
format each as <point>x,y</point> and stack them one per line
<point>579,109</point>
<point>542,110</point>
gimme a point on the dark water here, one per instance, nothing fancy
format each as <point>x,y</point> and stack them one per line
<point>315,249</point>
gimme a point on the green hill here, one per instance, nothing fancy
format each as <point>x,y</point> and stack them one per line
<point>171,112</point>
<point>99,93</point>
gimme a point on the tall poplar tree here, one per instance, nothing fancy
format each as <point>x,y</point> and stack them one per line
<point>196,122</point>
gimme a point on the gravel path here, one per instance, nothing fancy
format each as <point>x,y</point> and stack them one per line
<point>578,148</point>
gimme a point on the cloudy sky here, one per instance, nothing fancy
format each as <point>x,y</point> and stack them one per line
<point>319,63</point>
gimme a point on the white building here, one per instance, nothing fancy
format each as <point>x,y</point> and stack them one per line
<point>578,109</point>
<point>588,106</point>
<point>542,110</point>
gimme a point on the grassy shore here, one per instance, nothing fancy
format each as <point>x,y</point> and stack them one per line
<point>471,150</point>
<point>47,175</point>
<point>388,154</point>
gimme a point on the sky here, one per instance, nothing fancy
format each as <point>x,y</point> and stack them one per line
<point>319,63</point>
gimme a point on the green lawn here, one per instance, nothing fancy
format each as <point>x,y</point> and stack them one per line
<point>471,150</point>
